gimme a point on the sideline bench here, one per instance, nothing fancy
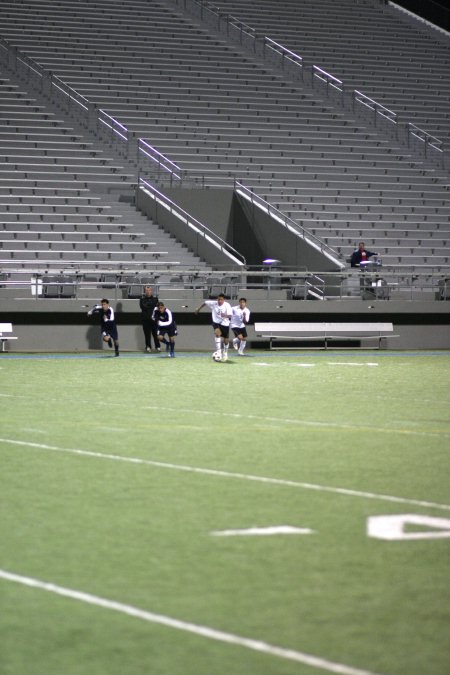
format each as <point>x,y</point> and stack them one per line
<point>6,330</point>
<point>324,331</point>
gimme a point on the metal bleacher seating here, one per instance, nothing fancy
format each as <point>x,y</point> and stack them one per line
<point>58,200</point>
<point>372,46</point>
<point>214,111</point>
<point>394,58</point>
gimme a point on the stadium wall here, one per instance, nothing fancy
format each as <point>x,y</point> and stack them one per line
<point>63,325</point>
<point>245,227</point>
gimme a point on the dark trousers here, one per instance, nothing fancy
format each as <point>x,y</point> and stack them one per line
<point>150,329</point>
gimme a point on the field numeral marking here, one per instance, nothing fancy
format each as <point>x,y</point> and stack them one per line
<point>392,528</point>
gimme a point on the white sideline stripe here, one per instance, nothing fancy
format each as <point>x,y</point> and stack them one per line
<point>299,421</point>
<point>345,363</point>
<point>230,474</point>
<point>203,631</point>
<point>262,531</point>
<point>277,420</point>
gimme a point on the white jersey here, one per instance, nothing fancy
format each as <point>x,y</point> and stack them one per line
<point>239,317</point>
<point>220,313</point>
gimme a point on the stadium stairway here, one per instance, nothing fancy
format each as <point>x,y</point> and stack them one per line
<point>59,198</point>
<point>219,113</point>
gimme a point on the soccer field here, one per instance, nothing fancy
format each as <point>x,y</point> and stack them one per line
<point>279,514</point>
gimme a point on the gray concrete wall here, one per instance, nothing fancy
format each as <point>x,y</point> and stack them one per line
<point>63,325</point>
<point>81,338</point>
<point>243,226</point>
<point>210,207</point>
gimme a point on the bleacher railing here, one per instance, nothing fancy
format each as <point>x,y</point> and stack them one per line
<point>200,231</point>
<point>161,169</point>
<point>387,284</point>
<point>288,223</point>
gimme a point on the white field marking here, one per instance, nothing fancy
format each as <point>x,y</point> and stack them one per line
<point>229,474</point>
<point>299,421</point>
<point>262,531</point>
<point>350,363</point>
<point>263,364</point>
<point>196,629</point>
<point>276,420</point>
<point>303,365</point>
<point>106,429</point>
<point>392,527</point>
<point>33,430</point>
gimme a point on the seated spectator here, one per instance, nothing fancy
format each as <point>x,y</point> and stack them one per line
<point>361,255</point>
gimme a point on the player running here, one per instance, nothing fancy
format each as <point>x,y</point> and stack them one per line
<point>163,318</point>
<point>108,325</point>
<point>221,315</point>
<point>240,316</point>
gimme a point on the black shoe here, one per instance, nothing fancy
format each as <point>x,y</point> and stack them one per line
<point>117,354</point>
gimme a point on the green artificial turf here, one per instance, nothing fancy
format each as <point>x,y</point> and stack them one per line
<point>343,433</point>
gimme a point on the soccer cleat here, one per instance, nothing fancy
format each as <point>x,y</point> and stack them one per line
<point>158,349</point>
<point>116,354</point>
<point>148,349</point>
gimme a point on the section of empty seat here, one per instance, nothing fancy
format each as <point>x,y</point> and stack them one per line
<point>54,210</point>
<point>221,115</point>
<point>374,47</point>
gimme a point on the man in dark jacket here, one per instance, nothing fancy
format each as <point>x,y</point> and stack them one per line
<point>147,303</point>
<point>361,255</point>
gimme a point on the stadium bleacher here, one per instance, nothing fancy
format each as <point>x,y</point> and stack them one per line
<point>216,113</point>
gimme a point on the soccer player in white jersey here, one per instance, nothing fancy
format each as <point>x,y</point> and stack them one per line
<point>221,315</point>
<point>240,316</point>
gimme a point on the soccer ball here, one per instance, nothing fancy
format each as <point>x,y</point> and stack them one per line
<point>217,356</point>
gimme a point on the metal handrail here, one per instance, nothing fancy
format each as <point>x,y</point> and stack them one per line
<point>289,223</point>
<point>329,80</point>
<point>192,223</point>
<point>424,286</point>
<point>113,124</point>
<point>375,107</point>
<point>425,137</point>
<point>159,159</point>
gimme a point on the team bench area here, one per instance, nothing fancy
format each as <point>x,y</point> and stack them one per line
<point>6,331</point>
<point>326,332</point>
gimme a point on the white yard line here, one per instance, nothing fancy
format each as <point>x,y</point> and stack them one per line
<point>229,474</point>
<point>248,416</point>
<point>262,531</point>
<point>350,363</point>
<point>201,631</point>
<point>298,421</point>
